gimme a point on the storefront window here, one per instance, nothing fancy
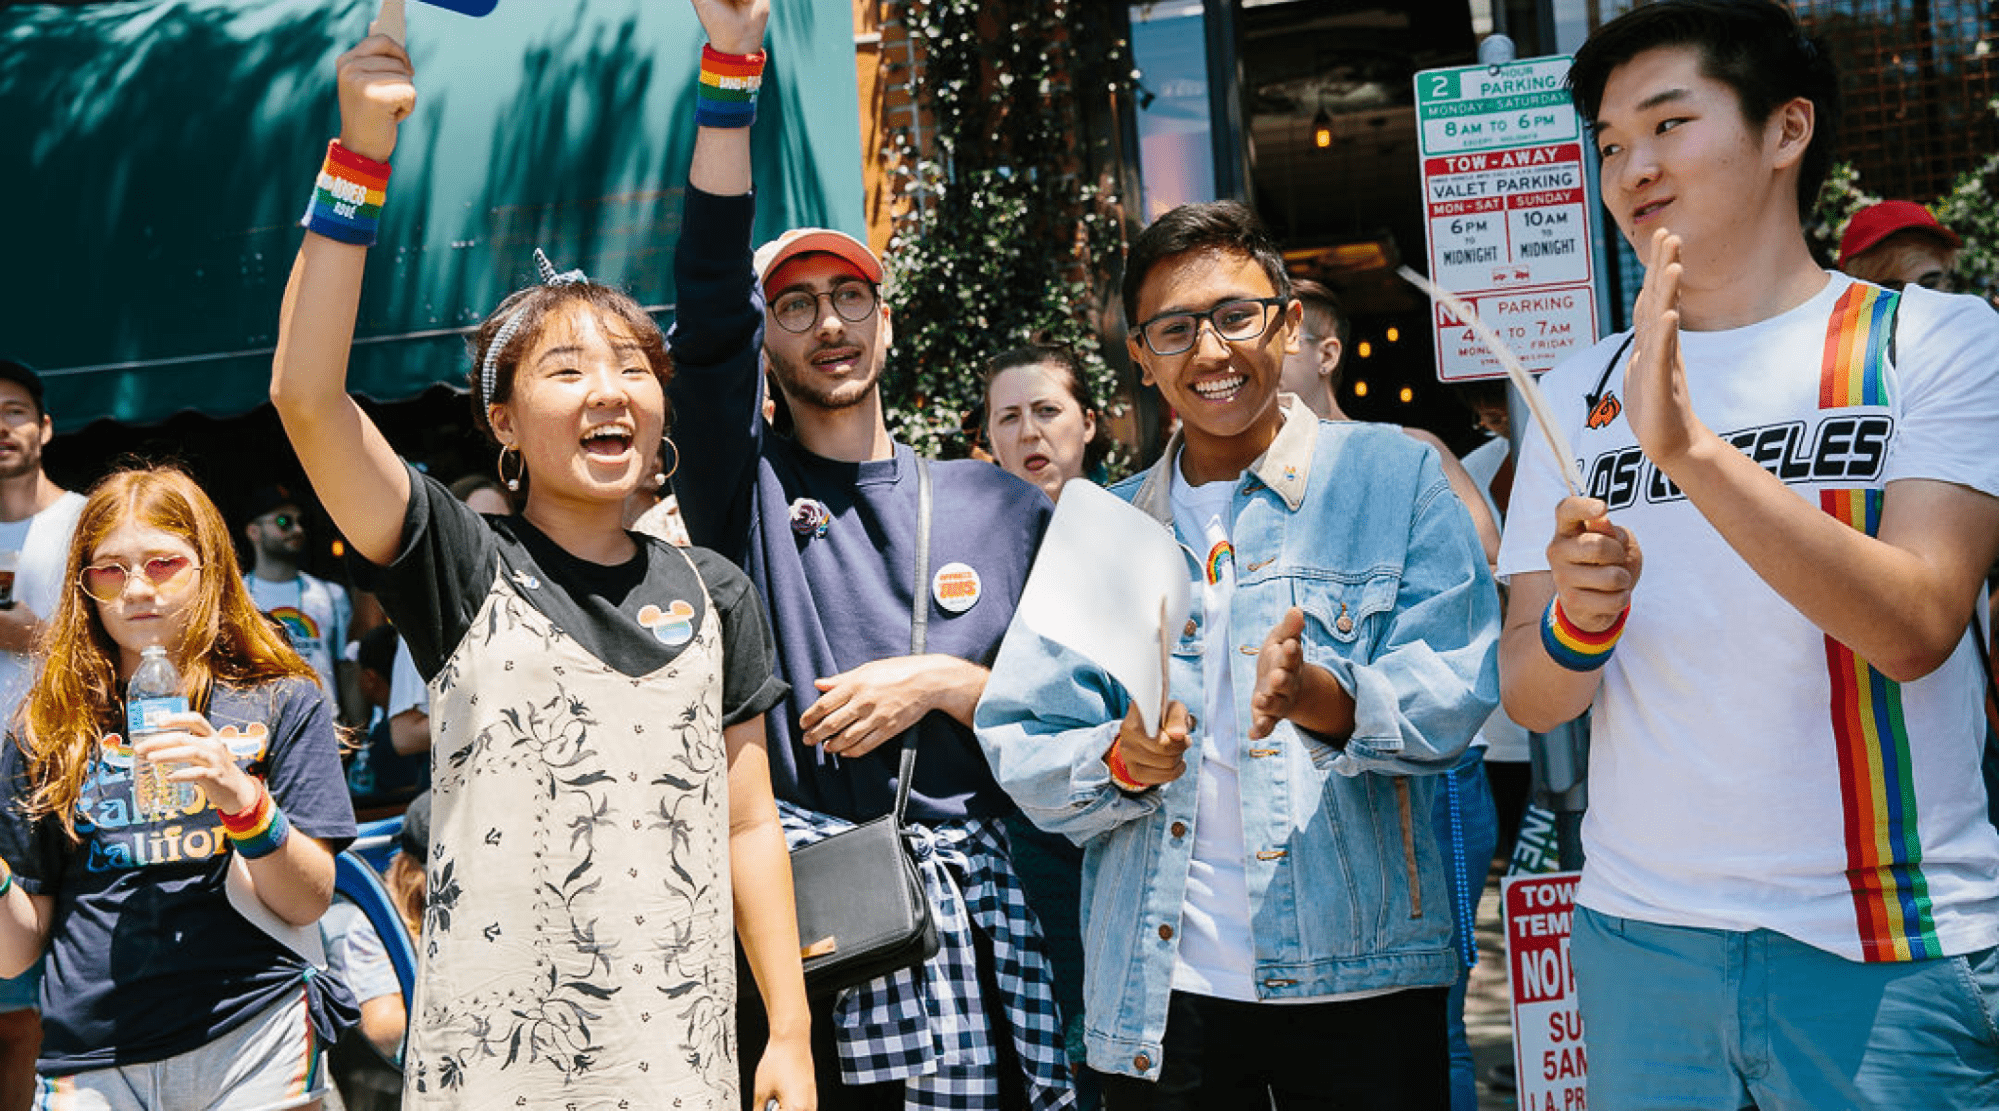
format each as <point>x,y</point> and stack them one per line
<point>1175,132</point>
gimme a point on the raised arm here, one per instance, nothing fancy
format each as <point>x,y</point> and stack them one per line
<point>352,467</point>
<point>716,388</point>
<point>722,154</point>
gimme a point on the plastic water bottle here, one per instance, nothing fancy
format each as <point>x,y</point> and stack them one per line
<point>153,695</point>
<point>360,773</point>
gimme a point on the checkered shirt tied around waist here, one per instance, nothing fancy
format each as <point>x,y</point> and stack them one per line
<point>926,1026</point>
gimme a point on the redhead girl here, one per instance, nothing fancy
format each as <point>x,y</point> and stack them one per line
<point>600,794</point>
<point>160,991</point>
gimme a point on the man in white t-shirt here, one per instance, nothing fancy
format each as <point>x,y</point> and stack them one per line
<point>37,520</point>
<point>313,611</point>
<point>1792,890</point>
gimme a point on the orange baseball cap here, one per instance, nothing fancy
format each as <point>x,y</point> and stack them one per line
<point>802,241</point>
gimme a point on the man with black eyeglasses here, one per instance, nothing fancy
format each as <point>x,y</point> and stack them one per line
<point>1265,913</point>
<point>315,613</point>
<point>826,522</point>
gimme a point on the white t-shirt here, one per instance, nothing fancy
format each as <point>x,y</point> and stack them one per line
<point>1215,955</point>
<point>406,687</point>
<point>316,614</point>
<point>1722,793</point>
<point>43,541</point>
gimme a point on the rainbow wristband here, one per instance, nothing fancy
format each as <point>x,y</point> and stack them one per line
<point>1121,775</point>
<point>6,878</point>
<point>727,95</point>
<point>1573,648</point>
<point>260,830</point>
<point>347,197</point>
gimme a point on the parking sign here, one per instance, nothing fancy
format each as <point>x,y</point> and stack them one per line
<point>1507,217</point>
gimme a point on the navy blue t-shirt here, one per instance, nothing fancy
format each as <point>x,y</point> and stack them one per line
<point>840,599</point>
<point>146,957</point>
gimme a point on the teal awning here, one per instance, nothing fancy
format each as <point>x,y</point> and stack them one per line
<point>162,150</point>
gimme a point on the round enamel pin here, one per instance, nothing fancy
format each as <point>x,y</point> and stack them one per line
<point>956,587</point>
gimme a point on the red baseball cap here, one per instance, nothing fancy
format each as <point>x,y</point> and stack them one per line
<point>1879,221</point>
<point>804,241</point>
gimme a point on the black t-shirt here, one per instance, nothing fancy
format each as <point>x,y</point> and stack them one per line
<point>146,957</point>
<point>636,616</point>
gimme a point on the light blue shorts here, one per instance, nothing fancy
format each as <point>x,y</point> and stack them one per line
<point>269,1063</point>
<point>19,993</point>
<point>1719,1020</point>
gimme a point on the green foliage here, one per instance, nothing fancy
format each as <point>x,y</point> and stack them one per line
<point>1839,198</point>
<point>1971,209</point>
<point>1002,241</point>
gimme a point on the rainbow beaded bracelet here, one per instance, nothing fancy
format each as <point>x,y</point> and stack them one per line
<point>727,95</point>
<point>1574,648</point>
<point>347,197</point>
<point>260,830</point>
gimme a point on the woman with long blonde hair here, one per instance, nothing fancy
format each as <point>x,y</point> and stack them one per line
<point>163,989</point>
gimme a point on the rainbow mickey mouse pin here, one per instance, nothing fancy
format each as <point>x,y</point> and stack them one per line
<point>673,626</point>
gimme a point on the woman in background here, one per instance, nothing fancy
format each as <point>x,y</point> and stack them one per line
<point>1041,422</point>
<point>1042,426</point>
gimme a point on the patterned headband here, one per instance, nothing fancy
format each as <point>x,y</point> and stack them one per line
<point>489,367</point>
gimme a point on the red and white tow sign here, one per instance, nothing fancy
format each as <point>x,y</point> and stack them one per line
<point>1550,1061</point>
<point>1506,212</point>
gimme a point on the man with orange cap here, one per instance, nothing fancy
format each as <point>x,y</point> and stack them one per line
<point>828,523</point>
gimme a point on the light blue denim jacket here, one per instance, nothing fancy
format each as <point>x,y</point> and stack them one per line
<point>1356,524</point>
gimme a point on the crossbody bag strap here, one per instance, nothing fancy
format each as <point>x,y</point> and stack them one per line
<point>919,625</point>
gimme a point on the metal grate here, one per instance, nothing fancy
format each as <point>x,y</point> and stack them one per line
<point>1916,78</point>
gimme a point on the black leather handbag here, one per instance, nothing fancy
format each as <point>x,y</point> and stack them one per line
<point>862,909</point>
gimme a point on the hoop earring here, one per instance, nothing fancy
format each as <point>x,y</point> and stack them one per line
<point>659,480</point>
<point>520,468</point>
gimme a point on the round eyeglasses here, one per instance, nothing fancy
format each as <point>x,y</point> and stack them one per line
<point>106,581</point>
<point>797,310</point>
<point>1238,321</point>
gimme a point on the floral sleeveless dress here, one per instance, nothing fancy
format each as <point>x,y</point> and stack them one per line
<point>578,947</point>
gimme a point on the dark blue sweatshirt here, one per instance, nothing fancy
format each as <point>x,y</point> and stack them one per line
<point>842,599</point>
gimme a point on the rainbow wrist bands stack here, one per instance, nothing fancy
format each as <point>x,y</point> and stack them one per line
<point>728,89</point>
<point>347,198</point>
<point>1572,647</point>
<point>260,830</point>
<point>1121,775</point>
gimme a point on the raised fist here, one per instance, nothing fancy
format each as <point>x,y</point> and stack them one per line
<point>377,91</point>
